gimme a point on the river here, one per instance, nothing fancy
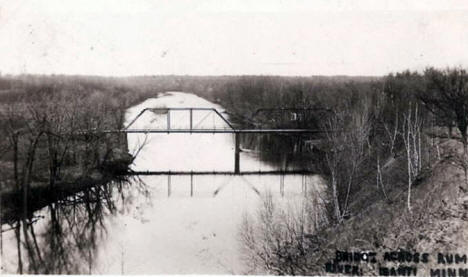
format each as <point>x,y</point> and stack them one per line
<point>157,224</point>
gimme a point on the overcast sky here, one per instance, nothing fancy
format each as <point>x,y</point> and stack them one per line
<point>116,37</point>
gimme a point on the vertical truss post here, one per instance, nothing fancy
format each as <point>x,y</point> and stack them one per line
<point>168,119</point>
<point>237,153</point>
<point>191,119</point>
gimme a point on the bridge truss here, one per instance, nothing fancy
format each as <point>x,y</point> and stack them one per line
<point>193,129</point>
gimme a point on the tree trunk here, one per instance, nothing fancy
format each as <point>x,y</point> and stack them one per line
<point>409,176</point>
<point>335,200</point>
<point>18,245</point>
<point>465,157</point>
<point>15,160</point>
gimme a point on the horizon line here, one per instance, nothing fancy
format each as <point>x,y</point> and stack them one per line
<point>3,74</point>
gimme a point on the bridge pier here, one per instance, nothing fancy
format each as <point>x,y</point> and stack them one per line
<point>168,185</point>
<point>237,153</point>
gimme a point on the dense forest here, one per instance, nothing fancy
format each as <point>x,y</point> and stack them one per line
<point>381,137</point>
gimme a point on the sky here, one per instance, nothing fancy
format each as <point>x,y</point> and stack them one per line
<point>221,37</point>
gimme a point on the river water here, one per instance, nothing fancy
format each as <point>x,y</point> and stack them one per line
<point>157,224</point>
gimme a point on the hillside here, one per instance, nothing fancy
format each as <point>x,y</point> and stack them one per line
<point>437,223</point>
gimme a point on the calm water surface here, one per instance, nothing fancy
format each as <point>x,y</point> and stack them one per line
<point>156,224</point>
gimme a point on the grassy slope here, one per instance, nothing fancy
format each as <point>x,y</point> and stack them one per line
<point>438,221</point>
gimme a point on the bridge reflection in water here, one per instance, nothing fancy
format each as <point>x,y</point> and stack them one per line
<point>144,225</point>
<point>187,182</point>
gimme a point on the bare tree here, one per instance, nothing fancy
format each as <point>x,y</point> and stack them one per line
<point>446,96</point>
<point>279,239</point>
<point>347,134</point>
<point>411,135</point>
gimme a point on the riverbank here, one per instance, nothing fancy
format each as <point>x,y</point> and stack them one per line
<point>437,222</point>
<point>384,220</point>
<point>49,149</point>
<point>14,204</point>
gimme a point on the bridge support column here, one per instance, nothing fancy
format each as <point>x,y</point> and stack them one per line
<point>168,185</point>
<point>237,153</point>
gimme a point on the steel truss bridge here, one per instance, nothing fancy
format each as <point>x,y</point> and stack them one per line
<point>194,129</point>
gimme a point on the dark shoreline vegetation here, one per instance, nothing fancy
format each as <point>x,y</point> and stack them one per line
<point>385,143</point>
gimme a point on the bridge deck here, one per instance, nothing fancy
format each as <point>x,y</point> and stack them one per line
<point>217,131</point>
<point>266,172</point>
